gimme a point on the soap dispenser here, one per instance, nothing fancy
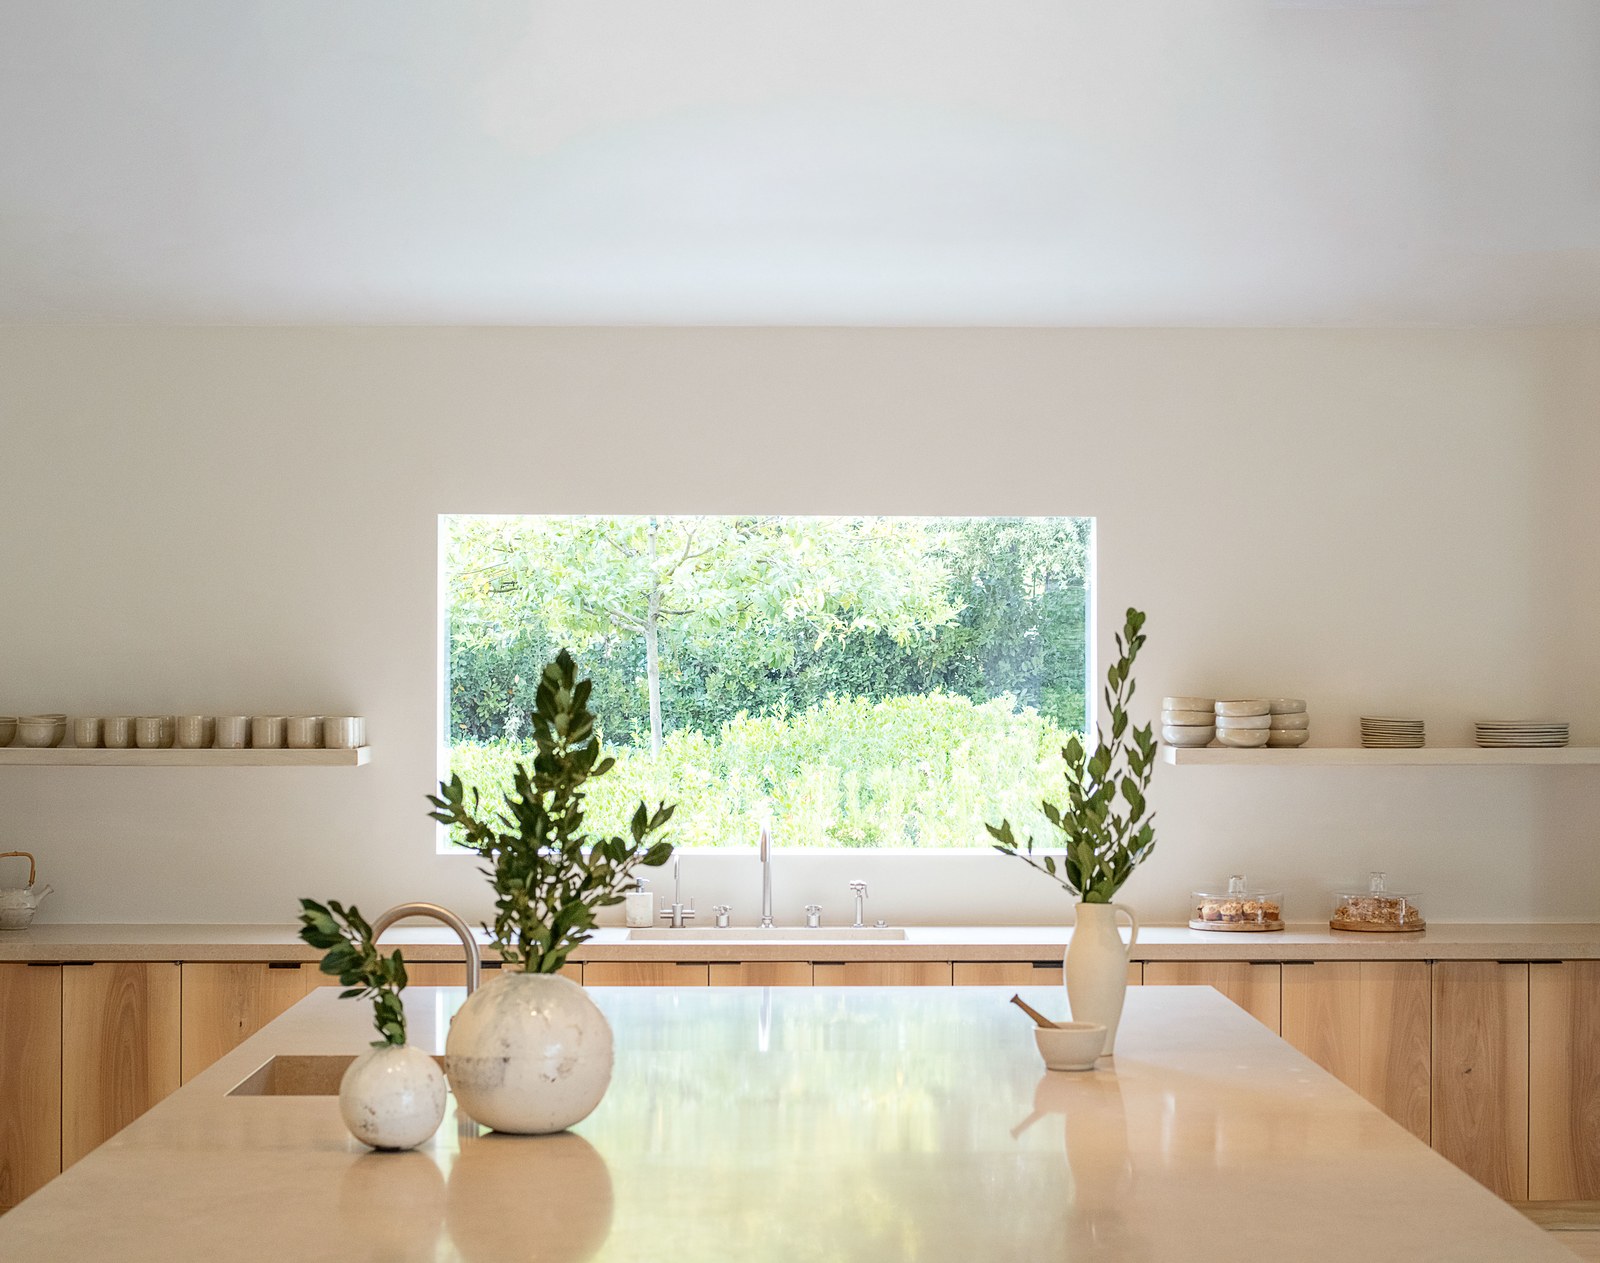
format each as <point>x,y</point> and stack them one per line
<point>639,906</point>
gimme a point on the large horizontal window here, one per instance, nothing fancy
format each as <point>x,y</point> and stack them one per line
<point>858,681</point>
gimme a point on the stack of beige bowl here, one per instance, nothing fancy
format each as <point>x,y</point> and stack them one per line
<point>1291,726</point>
<point>1188,721</point>
<point>1244,723</point>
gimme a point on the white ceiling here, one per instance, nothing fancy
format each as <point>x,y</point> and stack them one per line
<point>1064,162</point>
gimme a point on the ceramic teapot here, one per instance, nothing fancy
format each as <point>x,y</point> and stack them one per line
<point>17,904</point>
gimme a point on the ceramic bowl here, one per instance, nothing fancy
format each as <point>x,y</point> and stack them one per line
<point>1070,1045</point>
<point>1243,738</point>
<point>40,734</point>
<point>1187,736</point>
<point>1245,706</point>
<point>1287,705</point>
<point>8,729</point>
<point>1283,737</point>
<point>1244,721</point>
<point>1188,703</point>
<point>1302,720</point>
<point>1188,718</point>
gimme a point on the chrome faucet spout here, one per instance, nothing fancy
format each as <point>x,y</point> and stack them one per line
<point>469,945</point>
<point>765,851</point>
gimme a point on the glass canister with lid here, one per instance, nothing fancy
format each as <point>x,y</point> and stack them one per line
<point>1239,910</point>
<point>1377,909</point>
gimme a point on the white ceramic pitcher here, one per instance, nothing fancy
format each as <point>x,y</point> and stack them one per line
<point>1097,966</point>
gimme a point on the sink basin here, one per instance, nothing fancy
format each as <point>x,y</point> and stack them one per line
<point>298,1075</point>
<point>779,934</point>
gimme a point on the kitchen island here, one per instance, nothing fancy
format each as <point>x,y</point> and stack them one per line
<point>797,1124</point>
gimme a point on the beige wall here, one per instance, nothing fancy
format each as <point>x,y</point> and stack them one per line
<point>244,520</point>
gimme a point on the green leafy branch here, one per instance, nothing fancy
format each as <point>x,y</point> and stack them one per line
<point>1106,831</point>
<point>549,877</point>
<point>354,958</point>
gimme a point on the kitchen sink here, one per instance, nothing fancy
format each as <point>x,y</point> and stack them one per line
<point>779,934</point>
<point>298,1075</point>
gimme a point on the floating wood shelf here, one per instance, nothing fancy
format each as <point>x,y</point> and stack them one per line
<point>72,756</point>
<point>1356,756</point>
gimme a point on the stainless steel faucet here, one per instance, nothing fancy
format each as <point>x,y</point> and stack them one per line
<point>469,944</point>
<point>765,851</point>
<point>675,914</point>
<point>859,890</point>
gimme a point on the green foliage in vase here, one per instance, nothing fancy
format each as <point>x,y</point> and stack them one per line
<point>549,876</point>
<point>1103,842</point>
<point>354,959</point>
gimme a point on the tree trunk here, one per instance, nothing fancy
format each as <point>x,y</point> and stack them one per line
<point>652,650</point>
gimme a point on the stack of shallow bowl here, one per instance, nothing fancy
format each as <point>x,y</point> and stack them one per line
<point>1245,724</point>
<point>1291,725</point>
<point>41,731</point>
<point>1521,734</point>
<point>1391,734</point>
<point>1188,721</point>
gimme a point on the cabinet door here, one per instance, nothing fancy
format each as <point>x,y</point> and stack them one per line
<point>450,973</point>
<point>643,973</point>
<point>882,973</point>
<point>30,1079</point>
<point>1006,973</point>
<point>1254,988</point>
<point>1368,1025</point>
<point>1022,973</point>
<point>1480,1071</point>
<point>761,973</point>
<point>1564,1081</point>
<point>224,1004</point>
<point>121,1047</point>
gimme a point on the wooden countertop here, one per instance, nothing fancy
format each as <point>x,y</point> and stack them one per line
<point>843,1124</point>
<point>64,942</point>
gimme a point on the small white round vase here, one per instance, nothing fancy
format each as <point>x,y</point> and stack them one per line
<point>392,1097</point>
<point>528,1054</point>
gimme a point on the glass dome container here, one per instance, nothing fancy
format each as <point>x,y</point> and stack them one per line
<point>1239,910</point>
<point>1377,909</point>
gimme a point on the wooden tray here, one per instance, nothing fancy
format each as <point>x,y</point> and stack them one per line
<point>1373,927</point>
<point>1237,927</point>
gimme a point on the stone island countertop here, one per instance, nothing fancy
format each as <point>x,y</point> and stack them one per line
<point>1300,941</point>
<point>792,1124</point>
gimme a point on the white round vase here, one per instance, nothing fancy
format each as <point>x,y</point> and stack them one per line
<point>528,1054</point>
<point>392,1097</point>
<point>1097,966</point>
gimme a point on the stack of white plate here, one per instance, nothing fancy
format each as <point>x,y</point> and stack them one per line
<point>1244,723</point>
<point>1291,725</point>
<point>1391,734</point>
<point>1512,734</point>
<point>1187,721</point>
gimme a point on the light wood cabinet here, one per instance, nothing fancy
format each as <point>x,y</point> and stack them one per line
<point>882,973</point>
<point>450,973</point>
<point>761,973</point>
<point>1022,973</point>
<point>1480,1071</point>
<point>1368,1024</point>
<point>121,1047</point>
<point>644,973</point>
<point>1255,988</point>
<point>224,1004</point>
<point>30,1079</point>
<point>1564,1081</point>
